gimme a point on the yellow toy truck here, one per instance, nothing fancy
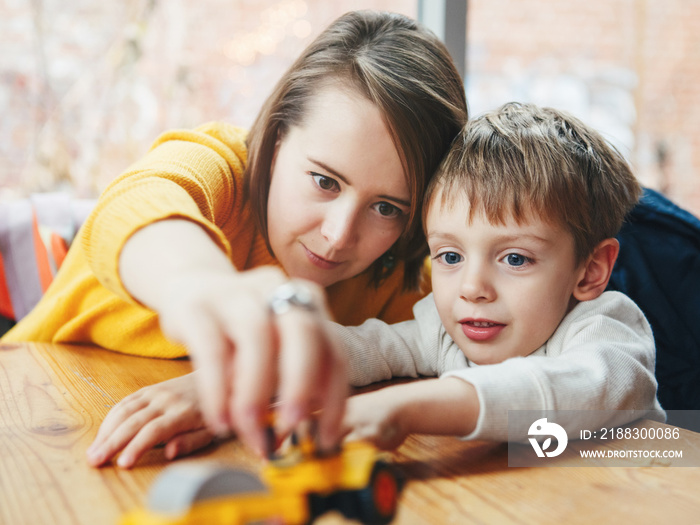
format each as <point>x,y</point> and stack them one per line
<point>295,488</point>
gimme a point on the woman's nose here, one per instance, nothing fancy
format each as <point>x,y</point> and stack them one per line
<point>340,224</point>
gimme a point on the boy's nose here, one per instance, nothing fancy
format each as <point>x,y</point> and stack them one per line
<point>476,285</point>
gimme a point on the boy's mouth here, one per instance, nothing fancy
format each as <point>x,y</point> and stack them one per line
<point>480,329</point>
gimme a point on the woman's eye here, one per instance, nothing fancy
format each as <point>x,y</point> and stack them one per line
<point>387,210</point>
<point>450,257</point>
<point>325,183</point>
<point>515,259</point>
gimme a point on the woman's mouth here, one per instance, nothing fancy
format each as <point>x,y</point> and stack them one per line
<point>480,329</point>
<point>320,262</point>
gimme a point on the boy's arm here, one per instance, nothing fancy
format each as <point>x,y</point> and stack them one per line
<point>377,351</point>
<point>599,361</point>
<point>431,406</point>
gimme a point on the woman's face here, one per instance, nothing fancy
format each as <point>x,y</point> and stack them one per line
<point>338,196</point>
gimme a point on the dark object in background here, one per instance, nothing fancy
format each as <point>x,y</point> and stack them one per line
<point>5,324</point>
<point>659,268</point>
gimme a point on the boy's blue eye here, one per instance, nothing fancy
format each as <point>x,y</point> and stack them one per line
<point>451,257</point>
<point>515,259</point>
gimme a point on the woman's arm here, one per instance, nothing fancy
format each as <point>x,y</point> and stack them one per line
<point>160,235</point>
<point>241,350</point>
<point>194,175</point>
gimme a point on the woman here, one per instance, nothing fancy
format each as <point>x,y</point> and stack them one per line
<point>225,245</point>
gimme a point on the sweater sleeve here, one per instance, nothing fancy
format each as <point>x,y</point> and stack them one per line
<point>377,351</point>
<point>191,175</point>
<point>599,363</point>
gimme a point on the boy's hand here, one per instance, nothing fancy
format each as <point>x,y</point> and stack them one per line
<point>431,406</point>
<point>376,417</point>
<point>166,412</point>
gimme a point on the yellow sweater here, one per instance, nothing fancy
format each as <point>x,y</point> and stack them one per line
<point>196,175</point>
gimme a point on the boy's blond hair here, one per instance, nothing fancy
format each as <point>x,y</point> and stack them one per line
<point>522,159</point>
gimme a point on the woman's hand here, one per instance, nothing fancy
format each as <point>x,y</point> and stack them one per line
<point>243,352</point>
<point>166,412</point>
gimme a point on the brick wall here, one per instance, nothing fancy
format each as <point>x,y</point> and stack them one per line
<point>86,86</point>
<point>631,68</point>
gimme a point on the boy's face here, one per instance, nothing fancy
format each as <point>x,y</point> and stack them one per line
<point>500,290</point>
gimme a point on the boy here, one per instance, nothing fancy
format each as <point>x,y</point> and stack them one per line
<point>521,220</point>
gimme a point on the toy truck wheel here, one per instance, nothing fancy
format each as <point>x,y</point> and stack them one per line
<point>181,485</point>
<point>379,499</point>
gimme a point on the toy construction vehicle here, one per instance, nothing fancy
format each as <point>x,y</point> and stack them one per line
<point>296,488</point>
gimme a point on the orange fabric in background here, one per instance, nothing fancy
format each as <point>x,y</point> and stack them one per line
<point>6,309</point>
<point>59,249</point>
<point>42,256</point>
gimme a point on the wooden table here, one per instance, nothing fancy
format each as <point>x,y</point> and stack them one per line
<point>53,398</point>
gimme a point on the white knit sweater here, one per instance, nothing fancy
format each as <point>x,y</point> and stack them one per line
<point>599,360</point>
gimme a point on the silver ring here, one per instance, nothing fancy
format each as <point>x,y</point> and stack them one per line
<point>291,294</point>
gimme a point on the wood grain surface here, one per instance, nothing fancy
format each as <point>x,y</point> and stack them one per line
<point>53,398</point>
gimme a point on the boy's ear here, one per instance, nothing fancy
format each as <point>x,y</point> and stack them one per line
<point>596,270</point>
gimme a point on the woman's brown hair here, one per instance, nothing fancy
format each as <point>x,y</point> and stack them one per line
<point>404,70</point>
